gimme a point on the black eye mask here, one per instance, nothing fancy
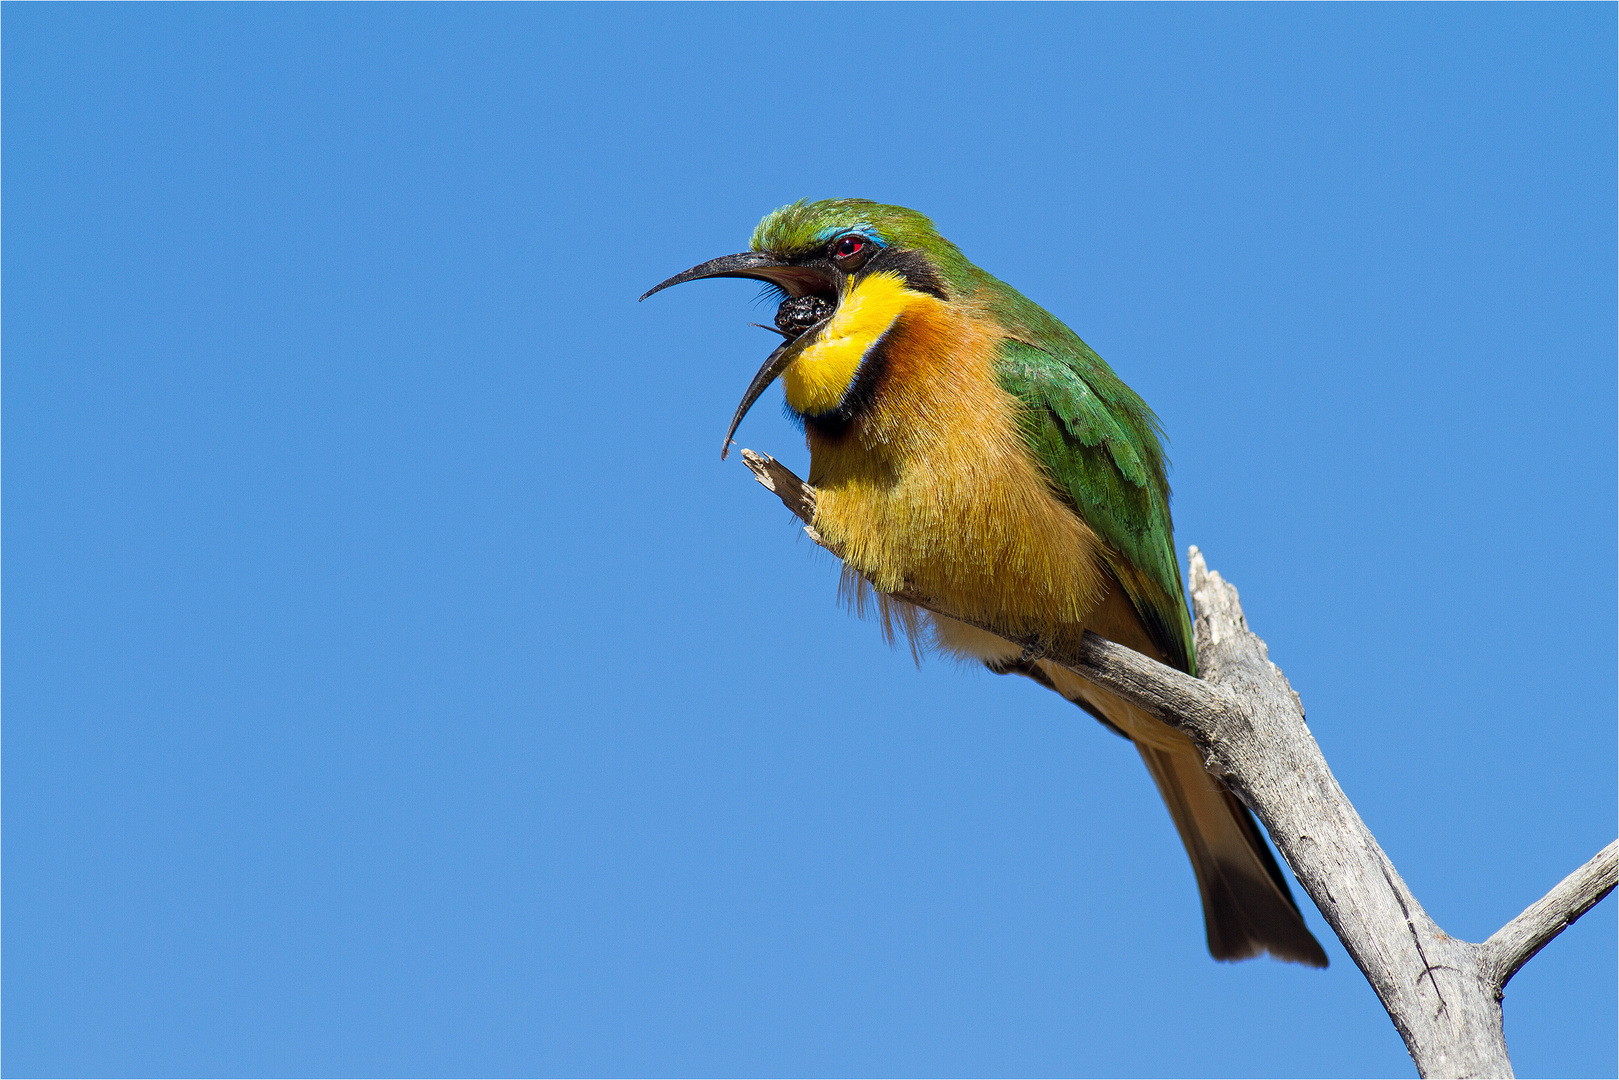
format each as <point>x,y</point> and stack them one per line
<point>798,313</point>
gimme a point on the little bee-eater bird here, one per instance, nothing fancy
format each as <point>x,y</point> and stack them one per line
<point>969,446</point>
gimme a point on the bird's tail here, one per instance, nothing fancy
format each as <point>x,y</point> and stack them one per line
<point>1247,906</point>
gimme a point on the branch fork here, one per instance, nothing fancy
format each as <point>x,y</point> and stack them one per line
<point>1443,994</point>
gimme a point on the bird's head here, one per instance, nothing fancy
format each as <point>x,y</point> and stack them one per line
<point>820,255</point>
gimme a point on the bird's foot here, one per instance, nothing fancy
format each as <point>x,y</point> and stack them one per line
<point>1034,649</point>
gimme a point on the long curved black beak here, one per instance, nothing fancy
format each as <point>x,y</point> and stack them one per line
<point>759,265</point>
<point>792,279</point>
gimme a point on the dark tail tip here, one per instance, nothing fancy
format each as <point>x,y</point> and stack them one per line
<point>1246,916</point>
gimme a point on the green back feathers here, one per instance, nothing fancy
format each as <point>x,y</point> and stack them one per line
<point>1098,443</point>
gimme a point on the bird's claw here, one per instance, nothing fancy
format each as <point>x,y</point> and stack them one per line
<point>1034,649</point>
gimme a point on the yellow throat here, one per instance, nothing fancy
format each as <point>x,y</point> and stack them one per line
<point>818,379</point>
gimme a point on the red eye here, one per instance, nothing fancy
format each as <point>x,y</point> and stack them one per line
<point>849,245</point>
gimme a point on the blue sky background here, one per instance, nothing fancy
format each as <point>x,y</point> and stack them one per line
<point>398,683</point>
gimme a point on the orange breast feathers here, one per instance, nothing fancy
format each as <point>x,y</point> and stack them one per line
<point>932,486</point>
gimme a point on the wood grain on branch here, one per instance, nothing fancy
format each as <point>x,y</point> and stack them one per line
<point>1443,994</point>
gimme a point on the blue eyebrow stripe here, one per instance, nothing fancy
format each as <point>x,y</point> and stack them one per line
<point>863,227</point>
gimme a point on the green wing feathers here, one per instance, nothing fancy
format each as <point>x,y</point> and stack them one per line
<point>1099,445</point>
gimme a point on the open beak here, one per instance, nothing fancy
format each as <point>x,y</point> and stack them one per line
<point>774,365</point>
<point>793,280</point>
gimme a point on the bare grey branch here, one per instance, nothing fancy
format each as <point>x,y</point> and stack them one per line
<point>1512,946</point>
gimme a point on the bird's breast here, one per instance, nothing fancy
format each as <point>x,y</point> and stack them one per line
<point>933,487</point>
